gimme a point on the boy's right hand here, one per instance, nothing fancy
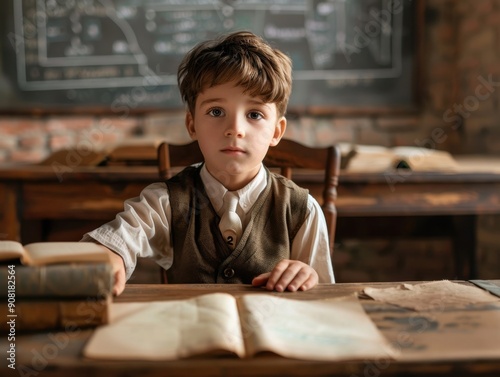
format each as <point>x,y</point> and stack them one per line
<point>118,273</point>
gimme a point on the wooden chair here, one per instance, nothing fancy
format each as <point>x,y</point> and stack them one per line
<point>286,156</point>
<point>289,155</point>
<point>177,155</point>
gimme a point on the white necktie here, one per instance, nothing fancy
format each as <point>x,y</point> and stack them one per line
<point>230,223</point>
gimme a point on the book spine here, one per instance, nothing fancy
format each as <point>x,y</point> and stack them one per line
<point>68,315</point>
<point>60,280</point>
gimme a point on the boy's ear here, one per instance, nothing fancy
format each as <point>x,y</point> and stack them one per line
<point>189,122</point>
<point>279,131</point>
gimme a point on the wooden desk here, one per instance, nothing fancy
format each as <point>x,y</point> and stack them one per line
<point>37,203</point>
<point>35,198</point>
<point>375,205</point>
<point>59,353</point>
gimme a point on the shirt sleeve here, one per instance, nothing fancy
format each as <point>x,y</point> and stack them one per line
<point>311,245</point>
<point>142,229</point>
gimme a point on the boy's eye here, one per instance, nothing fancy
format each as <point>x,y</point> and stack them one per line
<point>255,115</point>
<point>216,112</point>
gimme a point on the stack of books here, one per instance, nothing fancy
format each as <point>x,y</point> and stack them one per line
<point>54,285</point>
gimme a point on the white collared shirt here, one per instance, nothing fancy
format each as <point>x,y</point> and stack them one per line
<point>143,228</point>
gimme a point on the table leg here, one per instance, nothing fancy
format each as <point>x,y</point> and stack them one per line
<point>464,246</point>
<point>9,217</point>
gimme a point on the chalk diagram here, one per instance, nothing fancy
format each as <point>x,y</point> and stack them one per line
<point>83,44</point>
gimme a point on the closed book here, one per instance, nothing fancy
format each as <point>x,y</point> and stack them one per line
<point>57,280</point>
<point>54,314</point>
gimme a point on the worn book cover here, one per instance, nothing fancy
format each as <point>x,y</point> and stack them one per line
<point>55,314</point>
<point>58,280</point>
<point>55,269</point>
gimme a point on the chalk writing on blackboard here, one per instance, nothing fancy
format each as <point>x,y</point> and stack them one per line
<point>103,52</point>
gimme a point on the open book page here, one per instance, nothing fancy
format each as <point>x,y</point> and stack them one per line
<point>369,159</point>
<point>169,330</point>
<point>479,164</point>
<point>11,250</point>
<point>41,253</point>
<point>331,329</point>
<point>375,158</point>
<point>425,159</point>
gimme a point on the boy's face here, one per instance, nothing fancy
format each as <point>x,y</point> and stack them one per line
<point>234,131</point>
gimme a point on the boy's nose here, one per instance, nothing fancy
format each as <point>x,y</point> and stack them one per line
<point>235,128</point>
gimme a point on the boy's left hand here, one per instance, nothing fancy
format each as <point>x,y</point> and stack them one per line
<point>291,275</point>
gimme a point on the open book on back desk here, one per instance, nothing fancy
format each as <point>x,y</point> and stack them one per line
<point>375,158</point>
<point>245,326</point>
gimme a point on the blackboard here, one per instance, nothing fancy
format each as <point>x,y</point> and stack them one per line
<point>122,56</point>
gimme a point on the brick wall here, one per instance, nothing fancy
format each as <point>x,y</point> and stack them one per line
<point>460,104</point>
<point>460,78</point>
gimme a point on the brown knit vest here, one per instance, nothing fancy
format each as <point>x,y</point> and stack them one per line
<point>200,253</point>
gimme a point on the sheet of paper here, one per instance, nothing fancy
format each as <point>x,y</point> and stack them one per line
<point>330,329</point>
<point>466,334</point>
<point>435,295</point>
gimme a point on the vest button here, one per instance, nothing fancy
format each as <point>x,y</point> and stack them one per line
<point>228,273</point>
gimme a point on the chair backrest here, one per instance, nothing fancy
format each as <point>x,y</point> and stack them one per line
<point>286,156</point>
<point>177,155</point>
<point>289,155</point>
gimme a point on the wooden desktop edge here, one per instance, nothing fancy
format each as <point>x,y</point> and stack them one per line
<point>150,292</point>
<point>70,362</point>
<point>150,173</point>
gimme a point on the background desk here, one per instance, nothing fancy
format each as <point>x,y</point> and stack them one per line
<point>378,205</point>
<point>36,205</point>
<point>59,353</point>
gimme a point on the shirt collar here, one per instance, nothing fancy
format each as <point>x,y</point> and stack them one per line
<point>247,195</point>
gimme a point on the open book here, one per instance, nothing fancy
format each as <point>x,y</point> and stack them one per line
<point>42,253</point>
<point>135,151</point>
<point>245,326</point>
<point>374,158</point>
<point>68,157</point>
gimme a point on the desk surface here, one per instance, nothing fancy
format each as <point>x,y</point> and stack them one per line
<point>59,353</point>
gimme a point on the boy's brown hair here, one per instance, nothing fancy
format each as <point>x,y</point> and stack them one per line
<point>242,57</point>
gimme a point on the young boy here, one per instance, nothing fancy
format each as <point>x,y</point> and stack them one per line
<point>236,89</point>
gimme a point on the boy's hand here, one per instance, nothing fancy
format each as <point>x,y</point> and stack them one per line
<point>292,275</point>
<point>118,273</point>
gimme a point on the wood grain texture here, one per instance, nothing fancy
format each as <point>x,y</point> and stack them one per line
<point>66,347</point>
<point>10,223</point>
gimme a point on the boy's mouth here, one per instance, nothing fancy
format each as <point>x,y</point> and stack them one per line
<point>232,150</point>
